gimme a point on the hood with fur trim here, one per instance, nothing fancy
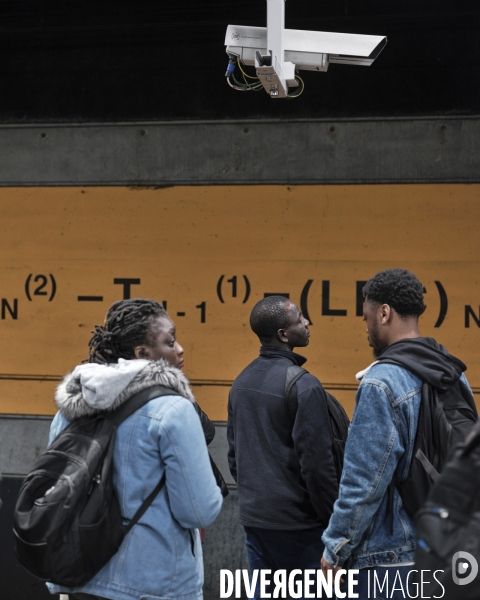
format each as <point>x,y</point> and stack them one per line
<point>70,400</point>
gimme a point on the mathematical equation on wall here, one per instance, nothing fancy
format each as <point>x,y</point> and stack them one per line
<point>229,288</point>
<point>210,253</point>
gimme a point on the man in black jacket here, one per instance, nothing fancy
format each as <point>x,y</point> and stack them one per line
<point>284,468</point>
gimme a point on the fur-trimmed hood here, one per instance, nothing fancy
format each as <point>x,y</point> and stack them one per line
<point>70,396</point>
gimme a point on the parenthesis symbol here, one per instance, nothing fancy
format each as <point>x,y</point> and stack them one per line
<point>27,287</point>
<point>219,289</point>
<point>303,300</point>
<point>54,287</point>
<point>247,289</point>
<point>443,304</point>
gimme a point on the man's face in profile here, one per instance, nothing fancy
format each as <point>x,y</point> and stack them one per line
<point>296,331</point>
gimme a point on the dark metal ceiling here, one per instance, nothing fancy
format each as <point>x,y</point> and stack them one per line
<point>130,60</point>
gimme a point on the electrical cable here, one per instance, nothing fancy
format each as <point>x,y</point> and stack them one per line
<point>245,74</point>
<point>238,85</point>
<point>257,86</point>
<point>254,86</point>
<point>240,89</point>
<point>301,91</point>
<point>246,87</point>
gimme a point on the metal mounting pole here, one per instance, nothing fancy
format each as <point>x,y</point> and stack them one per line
<point>275,28</point>
<point>275,74</point>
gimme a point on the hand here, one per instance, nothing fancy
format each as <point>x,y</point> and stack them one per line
<point>326,566</point>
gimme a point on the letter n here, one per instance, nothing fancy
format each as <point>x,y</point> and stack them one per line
<point>469,313</point>
<point>13,311</point>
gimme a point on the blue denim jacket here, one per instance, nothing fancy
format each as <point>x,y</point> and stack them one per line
<point>361,532</point>
<point>156,561</point>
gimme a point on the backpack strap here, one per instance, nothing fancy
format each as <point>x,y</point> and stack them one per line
<point>145,505</point>
<point>137,401</point>
<point>294,372</point>
<point>123,412</point>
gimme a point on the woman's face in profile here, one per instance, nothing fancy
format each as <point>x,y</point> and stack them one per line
<point>163,343</point>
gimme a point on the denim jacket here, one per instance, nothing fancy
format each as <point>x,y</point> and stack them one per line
<point>362,532</point>
<point>161,557</point>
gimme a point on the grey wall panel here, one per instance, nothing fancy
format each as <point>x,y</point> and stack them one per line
<point>24,437</point>
<point>287,152</point>
<point>224,547</point>
<point>16,582</point>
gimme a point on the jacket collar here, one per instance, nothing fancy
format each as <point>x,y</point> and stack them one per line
<point>71,403</point>
<point>272,352</point>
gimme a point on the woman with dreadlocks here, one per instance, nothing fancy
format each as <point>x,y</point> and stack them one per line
<point>161,556</point>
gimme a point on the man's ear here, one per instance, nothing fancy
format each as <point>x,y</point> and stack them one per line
<point>281,335</point>
<point>385,313</point>
<point>141,352</point>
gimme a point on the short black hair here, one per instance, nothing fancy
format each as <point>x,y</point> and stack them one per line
<point>268,316</point>
<point>128,324</point>
<point>398,288</point>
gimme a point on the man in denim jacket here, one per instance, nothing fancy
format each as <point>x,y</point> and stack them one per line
<point>364,531</point>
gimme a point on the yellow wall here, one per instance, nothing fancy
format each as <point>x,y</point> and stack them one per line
<point>180,241</point>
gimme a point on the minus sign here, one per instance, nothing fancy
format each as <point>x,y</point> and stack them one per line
<point>180,314</point>
<point>90,298</point>
<point>285,294</point>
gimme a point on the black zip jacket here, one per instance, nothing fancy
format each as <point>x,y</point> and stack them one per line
<point>284,469</point>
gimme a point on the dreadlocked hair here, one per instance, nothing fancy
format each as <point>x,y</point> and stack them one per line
<point>128,324</point>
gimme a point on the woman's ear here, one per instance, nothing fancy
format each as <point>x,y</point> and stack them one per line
<point>141,352</point>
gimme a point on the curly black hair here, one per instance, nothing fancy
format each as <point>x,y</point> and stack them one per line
<point>398,288</point>
<point>268,316</point>
<point>128,324</point>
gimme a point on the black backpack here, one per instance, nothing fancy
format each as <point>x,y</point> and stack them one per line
<point>448,527</point>
<point>338,417</point>
<point>67,520</point>
<point>444,420</point>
